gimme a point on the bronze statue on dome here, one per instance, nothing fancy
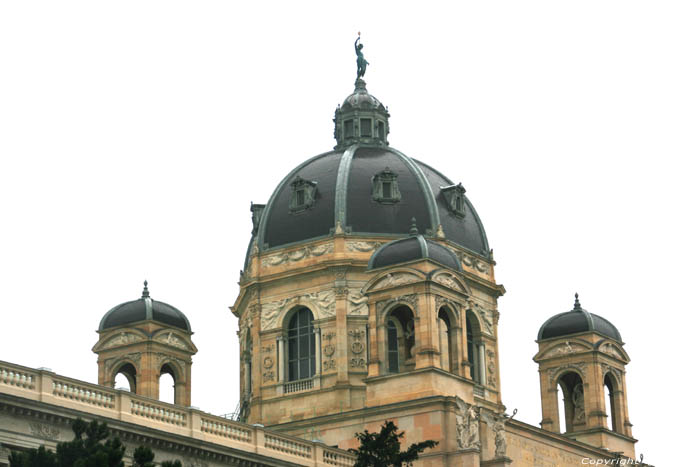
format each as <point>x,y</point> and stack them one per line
<point>361,62</point>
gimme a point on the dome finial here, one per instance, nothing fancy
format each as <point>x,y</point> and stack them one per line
<point>577,304</point>
<point>146,293</point>
<point>413,231</point>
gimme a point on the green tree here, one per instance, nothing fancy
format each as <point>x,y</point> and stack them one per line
<point>90,448</point>
<point>143,457</point>
<point>383,449</point>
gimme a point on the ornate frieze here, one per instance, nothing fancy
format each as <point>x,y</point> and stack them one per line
<point>42,430</point>
<point>357,362</point>
<point>123,338</point>
<point>449,281</point>
<point>391,280</point>
<point>173,340</point>
<point>565,348</point>
<point>616,371</point>
<point>363,247</point>
<point>268,376</point>
<point>411,299</point>
<point>297,255</point>
<point>611,350</point>
<point>323,301</point>
<point>440,301</point>
<point>486,316</point>
<point>473,263</point>
<point>329,348</point>
<point>556,371</point>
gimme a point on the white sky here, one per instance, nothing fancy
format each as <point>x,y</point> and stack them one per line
<point>134,135</point>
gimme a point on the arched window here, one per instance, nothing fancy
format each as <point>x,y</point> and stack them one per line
<point>400,337</point>
<point>301,351</point>
<point>574,414</point>
<point>166,384</point>
<point>610,405</point>
<point>125,377</point>
<point>445,340</point>
<point>473,349</point>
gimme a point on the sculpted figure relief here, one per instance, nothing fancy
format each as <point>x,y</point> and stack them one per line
<point>468,426</point>
<point>577,399</point>
<point>358,303</point>
<point>497,422</point>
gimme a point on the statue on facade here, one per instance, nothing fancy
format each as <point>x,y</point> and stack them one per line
<point>497,422</point>
<point>467,426</point>
<point>361,62</point>
<point>577,399</point>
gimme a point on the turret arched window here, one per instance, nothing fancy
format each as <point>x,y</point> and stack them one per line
<point>301,346</point>
<point>400,339</point>
<point>445,340</point>
<point>473,351</point>
<point>570,389</point>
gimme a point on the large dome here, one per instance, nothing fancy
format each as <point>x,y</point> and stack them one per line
<point>142,309</point>
<point>343,183</point>
<point>364,187</point>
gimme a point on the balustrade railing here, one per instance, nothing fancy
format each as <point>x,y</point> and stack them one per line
<point>301,385</point>
<point>50,388</point>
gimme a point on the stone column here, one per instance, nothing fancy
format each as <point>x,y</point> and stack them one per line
<point>317,337</point>
<point>281,341</point>
<point>373,361</point>
<point>482,364</point>
<point>550,405</point>
<point>341,339</point>
<point>427,348</point>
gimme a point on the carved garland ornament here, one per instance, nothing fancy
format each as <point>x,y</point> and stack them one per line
<point>616,371</point>
<point>473,263</point>
<point>486,316</point>
<point>363,247</point>
<point>391,280</point>
<point>42,430</point>
<point>297,255</point>
<point>324,301</point>
<point>409,299</point>
<point>554,372</point>
<point>448,281</point>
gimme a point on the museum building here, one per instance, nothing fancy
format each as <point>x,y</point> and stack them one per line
<point>368,294</point>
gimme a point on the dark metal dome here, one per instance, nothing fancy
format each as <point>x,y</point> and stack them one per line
<point>142,309</point>
<point>576,321</point>
<point>411,249</point>
<point>343,186</point>
<point>365,188</point>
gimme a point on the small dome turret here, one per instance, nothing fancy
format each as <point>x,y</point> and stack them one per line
<point>361,119</point>
<point>413,248</point>
<point>577,321</point>
<point>145,308</point>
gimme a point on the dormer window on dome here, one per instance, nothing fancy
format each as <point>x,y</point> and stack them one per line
<point>303,194</point>
<point>385,187</point>
<point>454,197</point>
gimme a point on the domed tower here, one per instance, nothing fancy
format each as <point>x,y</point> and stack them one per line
<point>368,283</point>
<point>143,339</point>
<point>582,361</point>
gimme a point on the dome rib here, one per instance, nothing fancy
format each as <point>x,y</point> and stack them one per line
<point>341,187</point>
<point>425,187</point>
